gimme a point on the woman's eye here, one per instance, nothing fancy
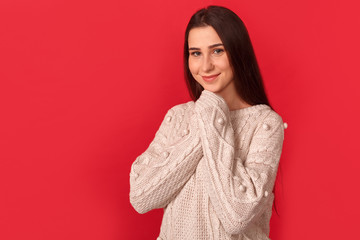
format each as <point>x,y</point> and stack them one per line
<point>195,54</point>
<point>218,51</point>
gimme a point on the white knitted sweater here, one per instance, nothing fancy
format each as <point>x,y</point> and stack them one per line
<point>211,169</point>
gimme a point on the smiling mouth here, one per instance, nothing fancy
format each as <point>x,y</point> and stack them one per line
<point>210,78</point>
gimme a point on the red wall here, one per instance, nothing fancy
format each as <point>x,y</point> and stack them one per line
<point>84,86</point>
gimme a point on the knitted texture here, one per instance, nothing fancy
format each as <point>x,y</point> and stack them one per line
<point>211,169</point>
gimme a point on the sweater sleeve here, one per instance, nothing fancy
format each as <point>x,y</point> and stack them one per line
<point>158,174</point>
<point>239,189</point>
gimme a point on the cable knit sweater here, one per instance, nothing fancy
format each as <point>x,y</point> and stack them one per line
<point>211,169</point>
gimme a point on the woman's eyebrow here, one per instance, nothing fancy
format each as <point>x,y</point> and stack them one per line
<point>194,48</point>
<point>216,45</point>
<point>211,46</point>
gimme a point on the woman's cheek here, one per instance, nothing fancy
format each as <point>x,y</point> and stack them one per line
<point>192,67</point>
<point>196,77</point>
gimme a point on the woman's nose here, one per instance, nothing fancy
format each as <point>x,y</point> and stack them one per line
<point>207,64</point>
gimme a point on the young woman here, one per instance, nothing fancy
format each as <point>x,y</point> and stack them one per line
<point>213,161</point>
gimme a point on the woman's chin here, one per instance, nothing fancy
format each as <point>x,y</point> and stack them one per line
<point>214,90</point>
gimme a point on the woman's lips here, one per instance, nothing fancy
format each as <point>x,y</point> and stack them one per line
<point>210,78</point>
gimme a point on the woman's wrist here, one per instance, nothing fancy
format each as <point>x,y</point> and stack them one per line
<point>208,100</point>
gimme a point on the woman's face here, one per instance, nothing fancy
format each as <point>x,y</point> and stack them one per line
<point>208,61</point>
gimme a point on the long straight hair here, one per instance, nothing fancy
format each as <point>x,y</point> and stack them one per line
<point>235,38</point>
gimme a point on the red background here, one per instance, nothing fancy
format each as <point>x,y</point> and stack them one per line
<point>84,86</point>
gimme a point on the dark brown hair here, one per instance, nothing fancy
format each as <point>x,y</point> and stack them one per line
<point>237,44</point>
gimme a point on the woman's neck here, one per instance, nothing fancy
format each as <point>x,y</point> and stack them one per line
<point>232,98</point>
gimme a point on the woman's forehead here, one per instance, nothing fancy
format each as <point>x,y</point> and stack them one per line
<point>203,37</point>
